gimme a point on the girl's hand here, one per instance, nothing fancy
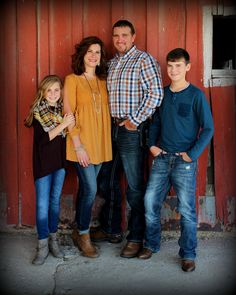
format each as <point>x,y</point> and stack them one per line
<point>68,119</point>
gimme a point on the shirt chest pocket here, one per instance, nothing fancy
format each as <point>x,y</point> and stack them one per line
<point>184,109</point>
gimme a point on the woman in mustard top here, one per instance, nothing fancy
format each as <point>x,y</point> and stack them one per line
<point>89,139</point>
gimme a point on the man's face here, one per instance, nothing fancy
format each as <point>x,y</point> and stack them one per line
<point>176,70</point>
<point>122,39</point>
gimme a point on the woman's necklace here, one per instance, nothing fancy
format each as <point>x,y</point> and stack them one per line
<point>97,102</point>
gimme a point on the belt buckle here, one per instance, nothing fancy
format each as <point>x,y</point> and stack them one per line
<point>163,152</point>
<point>117,121</point>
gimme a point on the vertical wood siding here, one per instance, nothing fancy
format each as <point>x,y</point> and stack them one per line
<point>38,38</point>
<point>224,111</point>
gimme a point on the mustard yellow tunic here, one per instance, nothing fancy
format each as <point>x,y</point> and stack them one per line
<point>93,121</point>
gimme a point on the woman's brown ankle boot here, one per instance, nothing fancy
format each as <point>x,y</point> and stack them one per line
<point>85,245</point>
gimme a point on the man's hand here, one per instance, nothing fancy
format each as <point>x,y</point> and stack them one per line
<point>128,125</point>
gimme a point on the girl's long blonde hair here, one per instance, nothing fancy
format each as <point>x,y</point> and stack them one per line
<point>47,82</point>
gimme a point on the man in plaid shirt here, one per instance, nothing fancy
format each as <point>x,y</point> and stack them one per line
<point>135,90</point>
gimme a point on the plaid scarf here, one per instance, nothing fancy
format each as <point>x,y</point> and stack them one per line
<point>49,117</point>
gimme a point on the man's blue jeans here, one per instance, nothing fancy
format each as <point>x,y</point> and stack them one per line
<point>86,194</point>
<point>48,195</point>
<point>171,170</point>
<point>109,189</point>
<point>132,154</point>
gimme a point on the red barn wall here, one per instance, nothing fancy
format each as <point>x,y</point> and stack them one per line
<point>38,37</point>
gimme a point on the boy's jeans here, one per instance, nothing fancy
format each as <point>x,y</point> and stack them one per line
<point>171,170</point>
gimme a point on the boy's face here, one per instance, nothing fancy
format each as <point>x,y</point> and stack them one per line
<point>176,70</point>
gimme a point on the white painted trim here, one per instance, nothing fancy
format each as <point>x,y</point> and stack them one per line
<point>220,9</point>
<point>212,77</point>
<point>225,73</point>
<point>219,82</point>
<point>207,44</point>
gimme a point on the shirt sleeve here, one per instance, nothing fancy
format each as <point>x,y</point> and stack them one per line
<point>204,116</point>
<point>41,137</point>
<point>154,129</point>
<point>71,99</point>
<point>151,81</point>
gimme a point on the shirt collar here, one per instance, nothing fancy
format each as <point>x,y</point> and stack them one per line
<point>127,54</point>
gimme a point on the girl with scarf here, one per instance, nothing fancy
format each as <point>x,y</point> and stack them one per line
<point>49,161</point>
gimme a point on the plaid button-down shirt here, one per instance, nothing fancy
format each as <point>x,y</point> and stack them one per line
<point>135,86</point>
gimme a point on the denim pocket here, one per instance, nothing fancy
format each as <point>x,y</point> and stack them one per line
<point>131,131</point>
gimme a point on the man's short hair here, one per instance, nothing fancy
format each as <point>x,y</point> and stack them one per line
<point>177,54</point>
<point>124,23</point>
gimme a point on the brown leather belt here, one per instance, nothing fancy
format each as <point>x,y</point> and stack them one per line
<point>117,121</point>
<point>165,153</point>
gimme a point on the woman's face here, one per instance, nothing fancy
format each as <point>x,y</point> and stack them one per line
<point>53,93</point>
<point>93,56</point>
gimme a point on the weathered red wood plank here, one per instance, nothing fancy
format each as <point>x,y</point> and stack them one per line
<point>26,89</point>
<point>224,111</point>
<point>8,118</point>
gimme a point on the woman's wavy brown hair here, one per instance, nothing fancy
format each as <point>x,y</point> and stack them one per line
<point>80,51</point>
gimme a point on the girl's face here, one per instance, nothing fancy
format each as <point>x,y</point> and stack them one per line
<point>93,56</point>
<point>53,93</point>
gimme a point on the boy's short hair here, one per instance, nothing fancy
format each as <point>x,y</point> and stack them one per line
<point>177,54</point>
<point>124,23</point>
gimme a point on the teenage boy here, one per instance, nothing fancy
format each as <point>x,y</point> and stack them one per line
<point>181,129</point>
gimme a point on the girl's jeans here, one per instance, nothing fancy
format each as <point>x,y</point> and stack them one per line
<point>48,195</point>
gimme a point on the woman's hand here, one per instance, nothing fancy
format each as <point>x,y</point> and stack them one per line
<point>82,156</point>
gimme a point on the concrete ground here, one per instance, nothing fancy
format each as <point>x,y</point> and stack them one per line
<point>110,274</point>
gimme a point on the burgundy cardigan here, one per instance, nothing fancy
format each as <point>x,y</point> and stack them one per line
<point>48,156</point>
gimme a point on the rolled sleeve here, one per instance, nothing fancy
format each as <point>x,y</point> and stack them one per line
<point>152,87</point>
<point>71,100</point>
